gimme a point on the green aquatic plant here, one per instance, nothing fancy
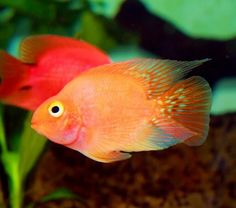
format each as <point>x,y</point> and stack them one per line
<point>209,19</point>
<point>19,161</point>
<point>107,8</point>
<point>56,195</point>
<point>39,9</point>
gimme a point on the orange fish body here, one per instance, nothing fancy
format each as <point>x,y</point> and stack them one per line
<point>139,105</point>
<point>47,63</point>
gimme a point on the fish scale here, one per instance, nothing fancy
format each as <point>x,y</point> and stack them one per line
<point>131,106</point>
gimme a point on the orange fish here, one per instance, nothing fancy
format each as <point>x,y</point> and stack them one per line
<point>46,64</point>
<point>112,110</point>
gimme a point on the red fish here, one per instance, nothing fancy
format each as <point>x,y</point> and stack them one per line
<point>46,63</point>
<point>109,111</point>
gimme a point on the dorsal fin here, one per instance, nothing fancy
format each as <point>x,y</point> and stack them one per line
<point>33,47</point>
<point>158,75</point>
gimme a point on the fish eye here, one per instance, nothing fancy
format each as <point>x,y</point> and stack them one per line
<point>56,109</point>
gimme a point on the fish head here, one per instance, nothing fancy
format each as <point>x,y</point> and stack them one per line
<point>57,120</point>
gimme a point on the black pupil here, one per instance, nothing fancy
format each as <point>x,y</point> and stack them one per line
<point>55,109</point>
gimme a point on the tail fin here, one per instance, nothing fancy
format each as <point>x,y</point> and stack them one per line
<point>12,71</point>
<point>183,111</point>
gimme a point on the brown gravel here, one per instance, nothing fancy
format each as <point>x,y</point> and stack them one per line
<point>181,176</point>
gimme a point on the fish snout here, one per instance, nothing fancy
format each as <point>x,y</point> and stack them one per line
<point>34,122</point>
<point>36,125</point>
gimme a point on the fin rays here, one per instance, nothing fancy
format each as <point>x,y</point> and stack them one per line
<point>156,75</point>
<point>187,104</point>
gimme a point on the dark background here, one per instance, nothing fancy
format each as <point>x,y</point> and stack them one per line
<point>164,40</point>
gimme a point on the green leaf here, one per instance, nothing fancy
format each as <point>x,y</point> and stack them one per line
<point>3,145</point>
<point>10,162</point>
<point>6,14</point>
<point>35,8</point>
<point>224,96</point>
<point>211,19</point>
<point>31,147</point>
<point>75,4</point>
<point>93,30</point>
<point>108,8</point>
<point>61,193</point>
<point>123,53</point>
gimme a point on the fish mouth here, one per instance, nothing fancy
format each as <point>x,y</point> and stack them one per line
<point>36,126</point>
<point>33,124</point>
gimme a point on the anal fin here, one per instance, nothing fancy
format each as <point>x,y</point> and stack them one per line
<point>159,140</point>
